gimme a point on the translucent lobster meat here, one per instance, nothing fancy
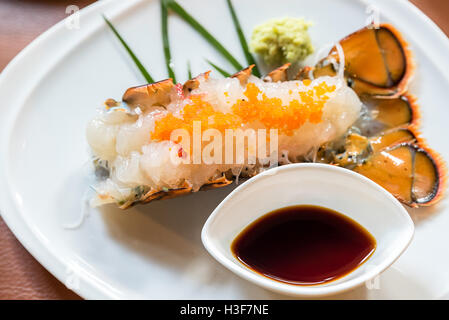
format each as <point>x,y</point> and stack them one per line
<point>136,142</point>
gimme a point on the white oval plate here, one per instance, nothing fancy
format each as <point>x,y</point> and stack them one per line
<point>51,89</point>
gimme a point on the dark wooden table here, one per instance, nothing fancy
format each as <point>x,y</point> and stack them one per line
<point>21,276</point>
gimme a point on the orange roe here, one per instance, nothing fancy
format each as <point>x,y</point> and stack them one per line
<point>271,112</point>
<point>306,82</point>
<point>197,110</point>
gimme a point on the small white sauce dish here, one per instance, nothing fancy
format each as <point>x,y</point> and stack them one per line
<point>323,185</point>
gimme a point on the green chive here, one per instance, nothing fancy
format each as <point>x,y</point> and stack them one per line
<point>189,70</point>
<point>249,57</point>
<point>220,70</point>
<point>139,65</point>
<point>172,4</point>
<point>165,42</point>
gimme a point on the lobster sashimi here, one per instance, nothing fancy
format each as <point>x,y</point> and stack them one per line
<point>352,110</point>
<point>132,140</point>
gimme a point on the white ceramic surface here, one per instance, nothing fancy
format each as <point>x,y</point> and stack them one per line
<point>51,89</point>
<point>311,184</point>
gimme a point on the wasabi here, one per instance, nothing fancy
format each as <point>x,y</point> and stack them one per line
<point>282,40</point>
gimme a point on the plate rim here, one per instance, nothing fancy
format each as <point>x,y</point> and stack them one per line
<point>90,288</point>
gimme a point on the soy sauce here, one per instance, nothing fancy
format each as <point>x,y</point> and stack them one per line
<point>303,245</point>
